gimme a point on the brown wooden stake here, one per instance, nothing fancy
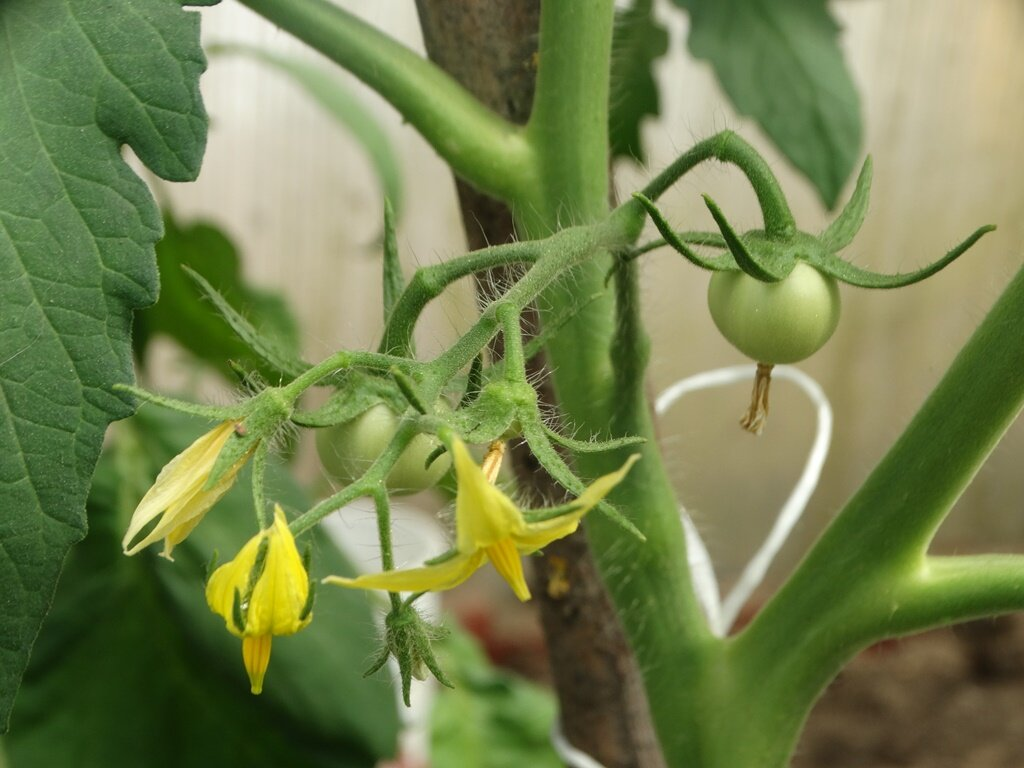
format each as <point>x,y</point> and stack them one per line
<point>490,47</point>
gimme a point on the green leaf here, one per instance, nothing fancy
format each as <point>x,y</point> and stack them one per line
<point>328,91</point>
<point>779,62</point>
<point>78,79</point>
<point>275,356</point>
<point>490,719</point>
<point>184,314</point>
<point>637,42</point>
<point>132,667</point>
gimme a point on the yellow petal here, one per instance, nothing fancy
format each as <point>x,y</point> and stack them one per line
<point>280,594</point>
<point>430,578</point>
<point>483,514</point>
<point>505,558</point>
<point>232,576</point>
<point>538,535</point>
<point>177,496</point>
<point>278,598</point>
<point>601,487</point>
<point>256,657</point>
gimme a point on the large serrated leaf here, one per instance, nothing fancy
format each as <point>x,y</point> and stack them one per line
<point>779,62</point>
<point>78,78</point>
<point>637,42</point>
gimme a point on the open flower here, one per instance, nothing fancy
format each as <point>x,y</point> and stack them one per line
<point>263,592</point>
<point>488,526</point>
<point>179,497</point>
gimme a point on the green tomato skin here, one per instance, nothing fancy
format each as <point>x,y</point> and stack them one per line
<point>773,323</point>
<point>347,451</point>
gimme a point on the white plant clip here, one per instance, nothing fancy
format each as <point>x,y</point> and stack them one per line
<point>722,614</point>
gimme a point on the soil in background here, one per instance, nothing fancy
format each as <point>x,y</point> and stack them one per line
<point>952,698</point>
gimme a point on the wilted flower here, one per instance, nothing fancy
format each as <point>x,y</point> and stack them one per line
<point>179,497</point>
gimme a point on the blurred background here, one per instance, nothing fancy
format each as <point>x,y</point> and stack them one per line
<point>941,84</point>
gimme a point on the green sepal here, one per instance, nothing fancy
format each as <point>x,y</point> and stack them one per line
<point>723,263</point>
<point>236,612</point>
<point>767,271</point>
<point>266,413</point>
<point>209,412</point>
<point>555,466</point>
<point>435,454</point>
<point>259,564</point>
<point>548,513</point>
<point>307,607</point>
<point>474,382</point>
<point>490,416</point>
<point>702,239</point>
<point>593,445</point>
<point>408,637</point>
<point>862,278</point>
<point>442,558</point>
<point>408,388</point>
<point>394,278</point>
<point>378,661</point>
<point>270,353</point>
<point>847,224</point>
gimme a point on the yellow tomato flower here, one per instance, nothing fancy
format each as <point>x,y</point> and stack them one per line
<point>263,592</point>
<point>488,526</point>
<point>179,496</point>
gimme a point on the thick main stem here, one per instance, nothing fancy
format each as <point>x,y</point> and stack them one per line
<point>649,581</point>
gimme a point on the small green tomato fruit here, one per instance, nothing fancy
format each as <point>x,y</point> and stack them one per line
<point>347,451</point>
<point>773,323</point>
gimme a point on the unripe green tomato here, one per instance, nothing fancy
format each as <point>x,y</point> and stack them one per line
<point>347,451</point>
<point>773,323</point>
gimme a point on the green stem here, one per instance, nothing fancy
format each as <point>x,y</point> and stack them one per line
<point>341,361</point>
<point>259,469</point>
<point>947,590</point>
<point>727,147</point>
<point>367,485</point>
<point>515,361</point>
<point>649,582</point>
<point>382,504</point>
<point>479,145</point>
<point>430,282</point>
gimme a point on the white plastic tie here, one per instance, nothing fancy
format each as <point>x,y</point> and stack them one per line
<point>722,614</point>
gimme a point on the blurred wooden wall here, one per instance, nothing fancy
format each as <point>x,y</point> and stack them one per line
<point>943,100</point>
